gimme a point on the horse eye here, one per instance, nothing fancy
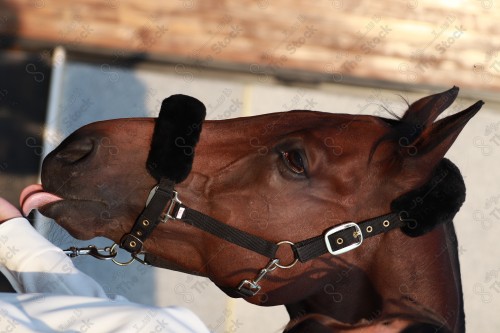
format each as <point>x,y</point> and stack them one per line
<point>294,161</point>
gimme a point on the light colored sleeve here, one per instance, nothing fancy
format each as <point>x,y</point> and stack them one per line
<point>66,313</point>
<point>34,265</point>
<point>54,296</point>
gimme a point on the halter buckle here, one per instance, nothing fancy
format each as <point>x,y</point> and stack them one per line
<point>357,233</point>
<point>172,213</point>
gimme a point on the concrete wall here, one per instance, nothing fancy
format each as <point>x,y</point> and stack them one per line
<point>90,92</point>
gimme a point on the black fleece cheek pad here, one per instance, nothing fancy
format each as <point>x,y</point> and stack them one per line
<point>434,203</point>
<point>176,133</point>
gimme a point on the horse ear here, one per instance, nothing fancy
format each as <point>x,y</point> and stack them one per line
<point>423,139</point>
<point>436,187</point>
<point>423,112</point>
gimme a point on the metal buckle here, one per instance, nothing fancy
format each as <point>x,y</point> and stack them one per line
<point>340,228</point>
<point>168,214</point>
<point>174,201</point>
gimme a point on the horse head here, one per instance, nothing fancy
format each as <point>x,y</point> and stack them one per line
<point>289,176</point>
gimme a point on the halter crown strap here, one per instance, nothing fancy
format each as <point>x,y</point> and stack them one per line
<point>346,237</point>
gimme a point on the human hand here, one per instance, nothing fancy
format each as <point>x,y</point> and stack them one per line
<point>8,211</point>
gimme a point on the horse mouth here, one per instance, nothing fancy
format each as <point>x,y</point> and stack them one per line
<point>35,197</point>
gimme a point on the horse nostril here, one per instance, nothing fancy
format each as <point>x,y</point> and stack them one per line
<point>76,151</point>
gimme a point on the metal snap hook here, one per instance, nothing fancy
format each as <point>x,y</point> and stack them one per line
<point>100,253</point>
<point>252,287</point>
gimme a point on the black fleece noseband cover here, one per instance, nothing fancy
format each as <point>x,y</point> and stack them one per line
<point>176,133</point>
<point>434,203</point>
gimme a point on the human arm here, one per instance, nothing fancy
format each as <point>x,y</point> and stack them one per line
<point>55,296</point>
<point>34,265</point>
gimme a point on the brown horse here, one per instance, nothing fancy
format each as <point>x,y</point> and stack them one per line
<point>286,176</point>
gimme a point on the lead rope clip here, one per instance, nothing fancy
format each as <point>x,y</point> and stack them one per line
<point>107,253</point>
<point>252,287</point>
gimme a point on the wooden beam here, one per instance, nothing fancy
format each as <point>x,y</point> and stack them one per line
<point>411,42</point>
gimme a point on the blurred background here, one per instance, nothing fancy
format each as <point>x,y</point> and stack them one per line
<point>65,64</point>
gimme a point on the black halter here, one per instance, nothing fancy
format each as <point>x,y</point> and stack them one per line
<point>423,209</point>
<point>415,213</point>
<point>165,206</point>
